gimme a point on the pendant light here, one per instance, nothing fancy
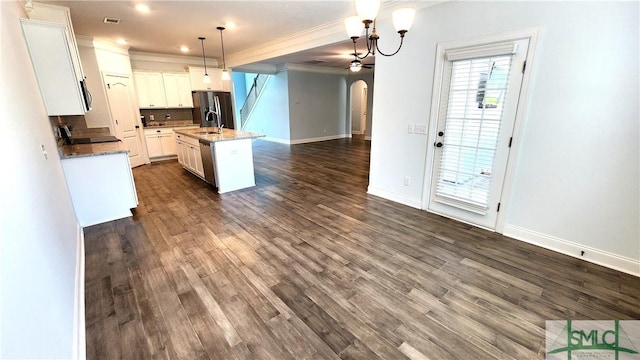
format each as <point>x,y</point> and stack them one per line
<point>225,73</point>
<point>205,79</point>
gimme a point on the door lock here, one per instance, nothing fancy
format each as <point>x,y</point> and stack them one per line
<point>440,133</point>
<point>439,144</point>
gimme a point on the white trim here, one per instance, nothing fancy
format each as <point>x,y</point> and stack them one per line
<point>257,68</point>
<point>367,138</point>
<point>521,117</point>
<point>533,35</point>
<point>399,198</point>
<point>356,132</point>
<point>88,41</point>
<point>596,256</point>
<point>305,141</point>
<point>312,69</point>
<point>275,140</point>
<point>171,59</point>
<point>79,332</point>
<point>316,139</point>
<point>325,34</point>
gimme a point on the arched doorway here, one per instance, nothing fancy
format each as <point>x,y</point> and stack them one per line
<point>359,110</point>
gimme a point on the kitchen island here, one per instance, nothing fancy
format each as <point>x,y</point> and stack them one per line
<point>225,160</point>
<point>100,181</point>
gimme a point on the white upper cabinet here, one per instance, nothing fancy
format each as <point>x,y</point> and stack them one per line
<point>157,90</point>
<point>57,70</point>
<point>178,90</point>
<point>150,90</point>
<point>59,15</point>
<point>217,84</point>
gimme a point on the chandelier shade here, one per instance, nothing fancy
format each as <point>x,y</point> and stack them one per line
<point>367,13</point>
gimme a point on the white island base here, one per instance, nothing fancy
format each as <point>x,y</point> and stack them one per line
<point>231,156</point>
<point>233,162</point>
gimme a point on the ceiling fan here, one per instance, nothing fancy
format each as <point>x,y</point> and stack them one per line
<point>356,65</point>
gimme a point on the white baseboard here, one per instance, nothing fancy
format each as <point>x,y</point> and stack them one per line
<point>316,139</point>
<point>356,132</point>
<point>307,140</point>
<point>275,140</point>
<point>367,138</point>
<point>596,256</point>
<point>79,331</point>
<point>399,198</point>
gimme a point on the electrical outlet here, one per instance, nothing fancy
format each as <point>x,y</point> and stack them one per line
<point>410,128</point>
<point>420,129</point>
<point>407,181</point>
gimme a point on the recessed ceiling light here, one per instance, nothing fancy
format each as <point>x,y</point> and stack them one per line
<point>144,8</point>
<point>230,25</point>
<point>184,49</point>
<point>122,41</point>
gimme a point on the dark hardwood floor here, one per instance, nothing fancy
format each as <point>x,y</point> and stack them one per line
<point>306,265</point>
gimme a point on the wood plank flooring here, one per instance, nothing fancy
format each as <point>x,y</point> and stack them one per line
<point>306,265</point>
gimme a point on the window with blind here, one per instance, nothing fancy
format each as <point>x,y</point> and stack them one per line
<point>475,104</point>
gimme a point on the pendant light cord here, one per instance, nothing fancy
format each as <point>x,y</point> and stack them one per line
<point>224,63</point>
<point>204,59</point>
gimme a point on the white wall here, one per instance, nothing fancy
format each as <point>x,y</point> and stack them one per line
<point>577,172</point>
<point>38,230</point>
<point>271,113</point>
<point>317,105</point>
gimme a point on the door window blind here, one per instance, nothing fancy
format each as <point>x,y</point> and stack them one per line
<point>474,109</point>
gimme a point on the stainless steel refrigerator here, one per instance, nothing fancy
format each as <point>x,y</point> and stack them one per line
<point>209,105</point>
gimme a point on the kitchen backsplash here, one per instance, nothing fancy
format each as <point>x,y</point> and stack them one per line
<point>166,115</point>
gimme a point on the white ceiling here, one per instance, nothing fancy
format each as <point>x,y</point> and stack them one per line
<point>171,24</point>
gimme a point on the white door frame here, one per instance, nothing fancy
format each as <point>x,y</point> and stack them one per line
<point>533,35</point>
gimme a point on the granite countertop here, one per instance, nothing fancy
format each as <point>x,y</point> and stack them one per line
<point>227,134</point>
<point>95,149</point>
<point>82,150</point>
<point>169,124</point>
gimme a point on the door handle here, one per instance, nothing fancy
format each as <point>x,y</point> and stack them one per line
<point>439,144</point>
<point>137,126</point>
<point>440,133</point>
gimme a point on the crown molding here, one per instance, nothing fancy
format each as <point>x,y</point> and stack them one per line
<point>96,43</point>
<point>313,69</point>
<point>171,59</point>
<point>325,34</point>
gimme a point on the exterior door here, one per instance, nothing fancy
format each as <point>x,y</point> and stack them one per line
<point>125,120</point>
<point>476,116</point>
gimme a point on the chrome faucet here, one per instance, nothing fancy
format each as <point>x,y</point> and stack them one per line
<point>206,116</point>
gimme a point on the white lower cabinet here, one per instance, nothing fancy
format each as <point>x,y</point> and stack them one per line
<point>101,187</point>
<point>161,143</point>
<point>189,154</point>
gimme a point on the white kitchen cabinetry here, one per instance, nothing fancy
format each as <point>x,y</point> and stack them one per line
<point>101,187</point>
<point>217,84</point>
<point>178,90</point>
<point>189,154</point>
<point>161,143</point>
<point>150,90</point>
<point>57,67</point>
